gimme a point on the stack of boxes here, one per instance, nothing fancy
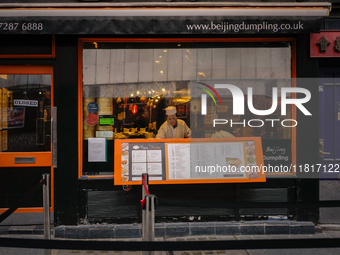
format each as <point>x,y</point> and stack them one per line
<point>5,103</point>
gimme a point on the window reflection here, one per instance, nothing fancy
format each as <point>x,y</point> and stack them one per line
<point>133,83</point>
<point>25,102</point>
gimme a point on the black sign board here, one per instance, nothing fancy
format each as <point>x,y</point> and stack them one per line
<point>124,25</point>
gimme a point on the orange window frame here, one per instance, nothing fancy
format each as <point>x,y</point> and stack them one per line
<point>42,159</point>
<point>171,40</point>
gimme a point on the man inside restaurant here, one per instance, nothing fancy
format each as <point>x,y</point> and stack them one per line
<point>173,127</point>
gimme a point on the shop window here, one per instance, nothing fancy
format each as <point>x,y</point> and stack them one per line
<point>127,86</point>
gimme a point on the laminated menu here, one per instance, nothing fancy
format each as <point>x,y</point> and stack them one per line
<point>175,161</point>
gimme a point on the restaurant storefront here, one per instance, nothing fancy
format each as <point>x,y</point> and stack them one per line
<point>110,75</point>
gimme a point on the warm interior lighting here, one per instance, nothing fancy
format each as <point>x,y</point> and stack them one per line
<point>134,109</point>
<point>201,73</point>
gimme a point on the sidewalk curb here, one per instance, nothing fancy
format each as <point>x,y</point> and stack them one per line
<point>329,227</point>
<point>186,229</point>
<point>168,230</point>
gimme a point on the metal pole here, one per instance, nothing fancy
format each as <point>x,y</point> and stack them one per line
<point>46,206</point>
<point>143,211</point>
<point>145,229</point>
<point>150,221</point>
<point>152,218</point>
<point>147,218</point>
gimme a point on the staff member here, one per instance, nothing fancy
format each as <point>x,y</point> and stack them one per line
<point>173,127</point>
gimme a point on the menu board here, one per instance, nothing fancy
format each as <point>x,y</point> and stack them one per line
<point>139,158</point>
<point>176,161</point>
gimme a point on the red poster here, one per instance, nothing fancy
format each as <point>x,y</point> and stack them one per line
<point>325,44</point>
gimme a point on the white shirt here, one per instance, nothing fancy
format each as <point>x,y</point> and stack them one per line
<point>168,131</point>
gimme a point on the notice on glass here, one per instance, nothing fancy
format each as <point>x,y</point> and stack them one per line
<point>179,161</point>
<point>97,150</point>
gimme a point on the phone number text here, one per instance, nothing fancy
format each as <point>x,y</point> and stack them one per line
<point>4,26</point>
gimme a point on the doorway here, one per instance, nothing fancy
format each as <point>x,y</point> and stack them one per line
<point>329,141</point>
<point>26,100</point>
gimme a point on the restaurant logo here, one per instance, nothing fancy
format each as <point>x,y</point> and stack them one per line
<point>239,104</point>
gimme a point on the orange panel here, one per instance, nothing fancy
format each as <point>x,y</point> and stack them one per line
<point>26,69</point>
<point>7,159</point>
<point>80,108</point>
<point>258,153</point>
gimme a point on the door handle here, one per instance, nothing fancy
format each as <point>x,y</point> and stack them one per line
<point>54,137</point>
<point>322,153</point>
<point>321,148</point>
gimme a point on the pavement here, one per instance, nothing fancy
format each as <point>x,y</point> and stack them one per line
<point>326,232</point>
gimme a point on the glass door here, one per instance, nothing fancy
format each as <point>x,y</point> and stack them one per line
<point>329,141</point>
<point>26,100</point>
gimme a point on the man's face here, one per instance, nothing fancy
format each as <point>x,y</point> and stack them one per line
<point>171,119</point>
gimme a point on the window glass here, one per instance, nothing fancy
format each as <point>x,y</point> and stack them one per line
<point>25,107</point>
<point>126,88</point>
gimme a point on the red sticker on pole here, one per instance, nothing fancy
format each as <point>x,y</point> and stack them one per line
<point>143,203</point>
<point>92,119</point>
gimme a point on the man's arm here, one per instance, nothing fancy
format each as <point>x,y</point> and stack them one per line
<point>187,131</point>
<point>161,132</point>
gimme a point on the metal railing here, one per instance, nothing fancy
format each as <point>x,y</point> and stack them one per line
<point>45,185</point>
<point>148,245</point>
